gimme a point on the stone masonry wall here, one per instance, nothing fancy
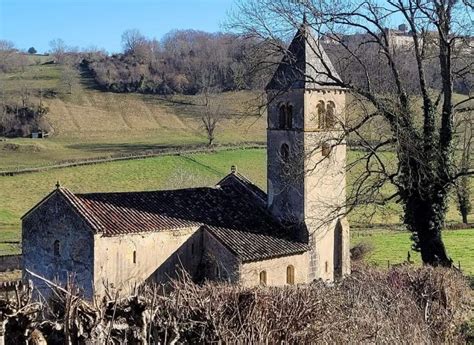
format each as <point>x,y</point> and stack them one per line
<point>275,270</point>
<point>54,220</point>
<point>219,264</point>
<point>158,255</point>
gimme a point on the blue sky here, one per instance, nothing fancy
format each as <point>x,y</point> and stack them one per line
<point>100,23</point>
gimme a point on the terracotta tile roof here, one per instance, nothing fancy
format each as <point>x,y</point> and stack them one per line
<point>254,246</point>
<point>232,211</point>
<point>244,185</point>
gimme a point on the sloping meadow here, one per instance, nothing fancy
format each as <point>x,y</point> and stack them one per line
<point>403,305</point>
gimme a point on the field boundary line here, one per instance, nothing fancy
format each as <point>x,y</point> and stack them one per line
<point>171,151</point>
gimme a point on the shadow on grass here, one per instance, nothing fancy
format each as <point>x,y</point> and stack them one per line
<point>185,108</point>
<point>129,148</point>
<point>87,79</point>
<point>169,100</point>
<point>205,166</point>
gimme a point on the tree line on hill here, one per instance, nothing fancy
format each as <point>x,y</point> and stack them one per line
<point>184,62</point>
<point>190,61</point>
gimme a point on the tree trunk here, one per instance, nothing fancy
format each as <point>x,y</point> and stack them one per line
<point>425,219</point>
<point>464,214</point>
<point>463,202</point>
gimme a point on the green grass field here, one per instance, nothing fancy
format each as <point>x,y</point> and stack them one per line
<point>19,193</point>
<point>393,246</point>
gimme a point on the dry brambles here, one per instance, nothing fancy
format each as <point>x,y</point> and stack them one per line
<point>404,304</point>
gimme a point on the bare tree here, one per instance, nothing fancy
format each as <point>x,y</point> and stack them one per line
<point>210,118</point>
<point>8,56</point>
<point>132,39</point>
<point>58,50</point>
<point>421,134</point>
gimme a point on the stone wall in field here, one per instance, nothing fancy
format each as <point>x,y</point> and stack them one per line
<point>10,263</point>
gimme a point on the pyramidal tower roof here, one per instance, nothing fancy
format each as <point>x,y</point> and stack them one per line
<point>305,65</point>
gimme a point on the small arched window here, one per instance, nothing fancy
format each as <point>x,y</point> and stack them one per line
<point>321,115</point>
<point>289,117</point>
<point>263,278</point>
<point>282,117</point>
<point>285,116</point>
<point>56,248</point>
<point>290,275</point>
<point>331,115</point>
<point>134,256</point>
<point>285,152</point>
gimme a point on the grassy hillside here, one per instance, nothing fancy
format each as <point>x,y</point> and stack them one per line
<point>89,123</point>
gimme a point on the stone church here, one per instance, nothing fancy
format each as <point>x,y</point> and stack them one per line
<point>235,232</point>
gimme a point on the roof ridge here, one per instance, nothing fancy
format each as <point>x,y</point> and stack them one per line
<point>141,191</point>
<point>241,179</point>
<point>75,203</point>
<point>79,206</point>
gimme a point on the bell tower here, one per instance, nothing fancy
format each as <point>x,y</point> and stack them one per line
<point>306,154</point>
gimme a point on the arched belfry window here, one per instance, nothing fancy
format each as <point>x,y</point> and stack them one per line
<point>289,116</point>
<point>285,152</point>
<point>331,115</point>
<point>285,116</point>
<point>56,248</point>
<point>282,116</point>
<point>263,278</point>
<point>290,275</point>
<point>321,114</point>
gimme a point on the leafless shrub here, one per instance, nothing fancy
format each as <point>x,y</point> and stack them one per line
<point>11,60</point>
<point>424,305</point>
<point>211,116</point>
<point>360,250</point>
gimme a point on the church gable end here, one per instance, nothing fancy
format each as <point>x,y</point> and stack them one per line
<point>57,241</point>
